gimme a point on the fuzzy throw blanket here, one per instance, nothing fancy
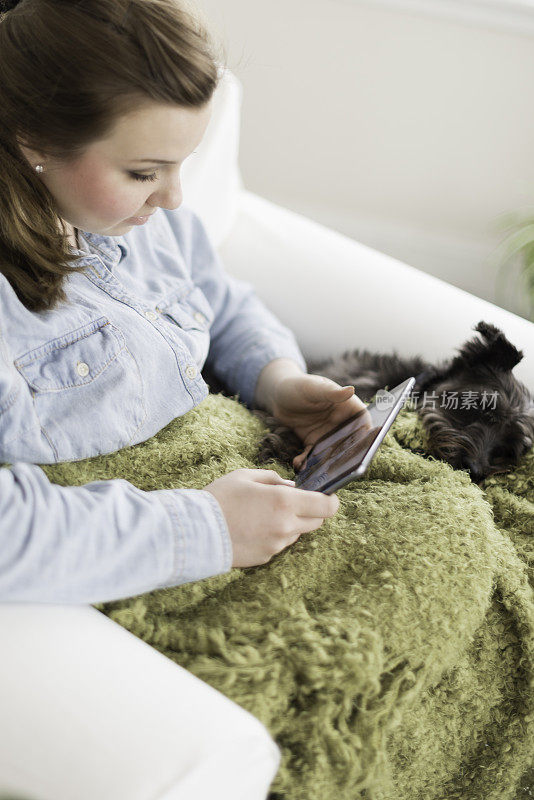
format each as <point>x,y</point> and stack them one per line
<point>391,652</point>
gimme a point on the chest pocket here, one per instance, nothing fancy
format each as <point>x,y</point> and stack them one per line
<point>87,390</point>
<point>190,310</point>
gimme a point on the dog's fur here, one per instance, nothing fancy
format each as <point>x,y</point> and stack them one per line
<point>487,438</point>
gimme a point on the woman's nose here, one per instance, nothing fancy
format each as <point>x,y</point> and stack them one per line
<point>170,198</point>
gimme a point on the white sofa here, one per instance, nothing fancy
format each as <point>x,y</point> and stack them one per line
<point>89,711</point>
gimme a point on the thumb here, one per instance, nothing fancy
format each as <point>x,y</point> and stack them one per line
<point>269,476</point>
<point>320,385</point>
<point>337,393</point>
<point>344,391</point>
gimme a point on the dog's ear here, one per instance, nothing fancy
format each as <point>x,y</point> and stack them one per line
<point>430,375</point>
<point>488,331</point>
<point>493,350</point>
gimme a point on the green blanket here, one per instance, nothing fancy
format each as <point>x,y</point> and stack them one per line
<point>391,652</point>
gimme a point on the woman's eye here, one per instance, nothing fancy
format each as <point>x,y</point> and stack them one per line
<point>139,177</point>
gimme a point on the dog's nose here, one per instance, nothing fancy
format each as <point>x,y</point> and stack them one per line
<point>476,471</point>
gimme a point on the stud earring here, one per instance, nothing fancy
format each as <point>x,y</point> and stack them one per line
<point>39,168</point>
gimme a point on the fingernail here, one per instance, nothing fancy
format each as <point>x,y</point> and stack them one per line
<point>288,481</point>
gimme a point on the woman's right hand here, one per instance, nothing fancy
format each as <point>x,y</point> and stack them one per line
<point>265,513</point>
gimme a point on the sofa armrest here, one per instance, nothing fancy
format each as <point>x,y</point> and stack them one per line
<point>337,294</point>
<point>91,711</point>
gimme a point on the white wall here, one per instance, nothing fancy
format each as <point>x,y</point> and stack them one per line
<point>408,131</point>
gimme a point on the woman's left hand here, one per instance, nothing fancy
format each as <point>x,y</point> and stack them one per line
<point>312,405</point>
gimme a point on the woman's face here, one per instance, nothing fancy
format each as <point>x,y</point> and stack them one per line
<point>118,177</point>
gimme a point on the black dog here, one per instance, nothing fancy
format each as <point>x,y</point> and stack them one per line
<point>477,415</point>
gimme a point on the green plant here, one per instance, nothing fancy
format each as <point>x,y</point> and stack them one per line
<point>517,249</point>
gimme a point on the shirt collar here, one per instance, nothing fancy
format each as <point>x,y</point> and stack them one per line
<point>112,248</point>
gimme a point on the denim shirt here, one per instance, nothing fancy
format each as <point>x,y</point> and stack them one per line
<point>108,369</point>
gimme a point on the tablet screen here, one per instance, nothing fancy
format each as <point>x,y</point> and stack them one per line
<point>343,450</point>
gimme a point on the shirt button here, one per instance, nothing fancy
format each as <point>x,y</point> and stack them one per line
<point>200,317</point>
<point>151,315</point>
<point>82,369</point>
<point>191,371</point>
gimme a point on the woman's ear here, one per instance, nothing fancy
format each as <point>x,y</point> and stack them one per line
<point>33,157</point>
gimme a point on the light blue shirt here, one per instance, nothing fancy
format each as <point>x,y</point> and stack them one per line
<point>108,369</point>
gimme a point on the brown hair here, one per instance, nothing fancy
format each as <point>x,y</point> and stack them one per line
<point>70,69</point>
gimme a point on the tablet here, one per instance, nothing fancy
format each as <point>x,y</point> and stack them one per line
<point>344,454</point>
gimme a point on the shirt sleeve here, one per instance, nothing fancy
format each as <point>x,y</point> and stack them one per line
<point>103,541</point>
<point>245,335</point>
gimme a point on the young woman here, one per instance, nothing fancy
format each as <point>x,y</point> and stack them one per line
<point>112,299</point>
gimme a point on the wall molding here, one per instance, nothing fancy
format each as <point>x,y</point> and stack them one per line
<point>512,16</point>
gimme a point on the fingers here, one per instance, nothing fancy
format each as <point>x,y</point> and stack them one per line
<point>306,526</point>
<point>300,460</point>
<point>307,505</point>
<point>344,392</point>
<point>324,392</point>
<point>341,394</point>
<point>304,504</point>
<point>335,392</point>
<point>367,419</point>
<point>311,505</point>
<point>268,476</point>
<point>356,402</point>
<point>318,389</point>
